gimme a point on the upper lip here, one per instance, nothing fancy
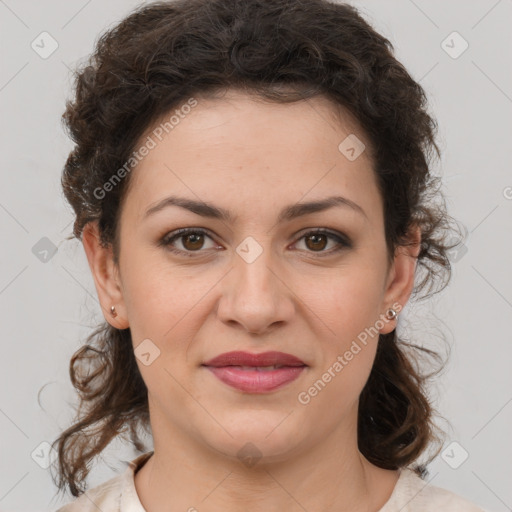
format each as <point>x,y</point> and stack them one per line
<point>239,358</point>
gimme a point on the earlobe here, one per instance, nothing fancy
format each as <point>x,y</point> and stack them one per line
<point>105,275</point>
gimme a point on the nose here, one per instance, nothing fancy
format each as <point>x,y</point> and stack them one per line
<point>256,296</point>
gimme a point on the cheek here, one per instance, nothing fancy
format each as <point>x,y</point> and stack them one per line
<point>156,297</point>
<point>346,361</point>
<point>345,311</point>
<point>345,301</point>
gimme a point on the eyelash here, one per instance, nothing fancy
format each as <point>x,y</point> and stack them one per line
<point>166,241</point>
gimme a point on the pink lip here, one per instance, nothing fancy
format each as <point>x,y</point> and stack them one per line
<point>256,381</point>
<point>227,368</point>
<point>247,359</point>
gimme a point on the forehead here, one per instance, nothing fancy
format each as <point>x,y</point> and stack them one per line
<point>243,116</point>
<point>238,149</point>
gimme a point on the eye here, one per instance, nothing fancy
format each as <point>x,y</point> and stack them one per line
<point>191,239</point>
<point>316,241</point>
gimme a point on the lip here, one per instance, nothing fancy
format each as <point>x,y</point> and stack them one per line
<point>240,358</point>
<point>227,368</point>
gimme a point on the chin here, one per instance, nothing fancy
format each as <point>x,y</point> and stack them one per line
<point>257,435</point>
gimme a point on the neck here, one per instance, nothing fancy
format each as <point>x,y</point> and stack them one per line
<point>332,474</point>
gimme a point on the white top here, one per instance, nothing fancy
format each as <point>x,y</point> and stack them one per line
<point>411,494</point>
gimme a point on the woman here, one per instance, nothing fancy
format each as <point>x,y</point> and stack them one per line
<point>252,189</point>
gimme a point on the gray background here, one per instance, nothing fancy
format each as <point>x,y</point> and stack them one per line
<point>48,307</point>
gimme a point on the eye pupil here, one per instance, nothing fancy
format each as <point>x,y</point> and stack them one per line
<point>196,237</point>
<point>315,238</point>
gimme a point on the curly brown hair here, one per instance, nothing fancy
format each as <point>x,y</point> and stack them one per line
<point>284,51</point>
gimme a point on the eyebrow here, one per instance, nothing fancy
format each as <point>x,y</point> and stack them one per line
<point>288,213</point>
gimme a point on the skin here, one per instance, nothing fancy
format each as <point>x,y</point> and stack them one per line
<point>254,158</point>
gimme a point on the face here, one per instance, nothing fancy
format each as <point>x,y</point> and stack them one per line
<point>259,279</point>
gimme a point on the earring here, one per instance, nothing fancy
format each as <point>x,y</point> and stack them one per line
<point>391,314</point>
<point>113,311</point>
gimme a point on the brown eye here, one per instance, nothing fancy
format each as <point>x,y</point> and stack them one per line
<point>317,241</point>
<point>192,240</point>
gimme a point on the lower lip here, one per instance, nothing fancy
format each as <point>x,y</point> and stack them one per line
<point>256,381</point>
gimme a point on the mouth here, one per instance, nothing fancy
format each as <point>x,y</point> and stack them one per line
<point>254,368</point>
<point>263,360</point>
<point>256,373</point>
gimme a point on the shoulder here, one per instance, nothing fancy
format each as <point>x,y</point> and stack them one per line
<point>115,495</point>
<point>105,497</point>
<point>413,494</point>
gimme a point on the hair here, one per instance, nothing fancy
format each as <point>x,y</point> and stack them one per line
<point>281,51</point>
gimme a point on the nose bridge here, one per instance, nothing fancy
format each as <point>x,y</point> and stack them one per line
<point>255,296</point>
<point>255,277</point>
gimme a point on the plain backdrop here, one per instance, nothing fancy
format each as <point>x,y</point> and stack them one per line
<point>460,53</point>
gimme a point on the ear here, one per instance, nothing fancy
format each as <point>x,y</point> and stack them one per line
<point>106,276</point>
<point>400,282</point>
